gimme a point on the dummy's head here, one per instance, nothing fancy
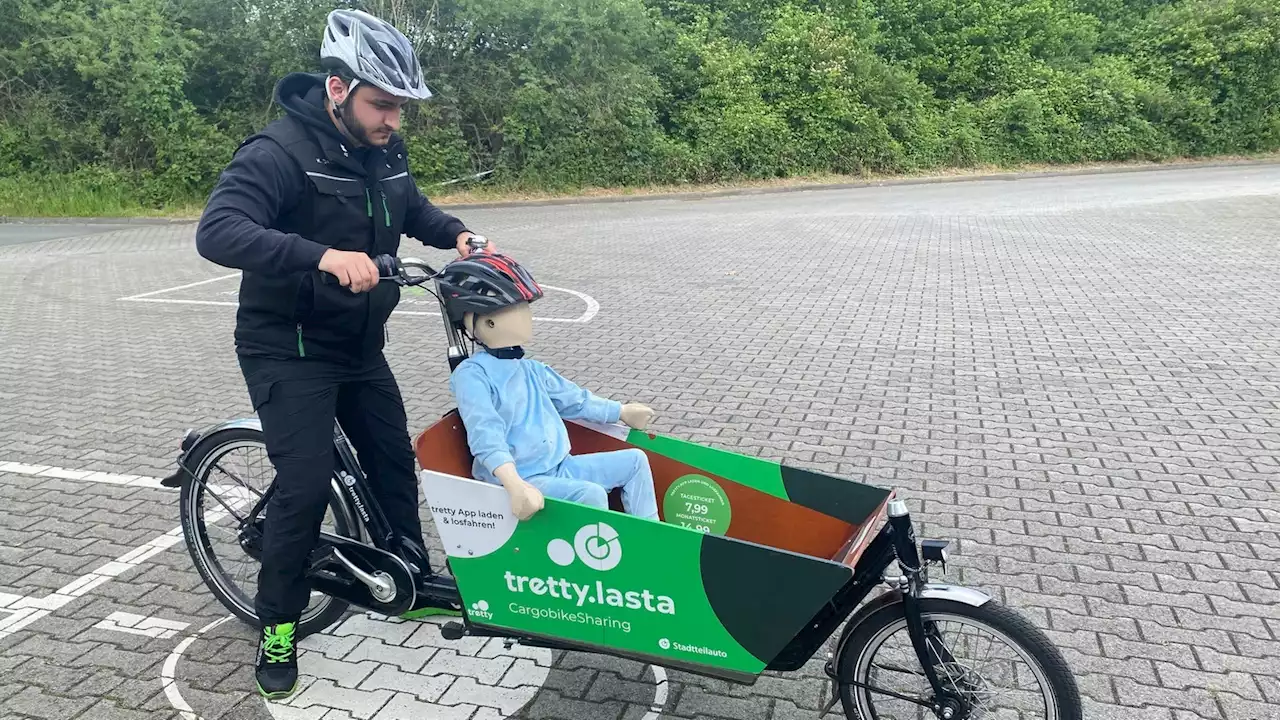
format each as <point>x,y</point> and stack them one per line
<point>487,295</point>
<point>508,327</point>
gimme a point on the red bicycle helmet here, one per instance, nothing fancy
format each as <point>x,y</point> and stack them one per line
<point>483,283</point>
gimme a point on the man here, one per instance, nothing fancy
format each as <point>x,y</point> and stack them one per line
<point>323,190</point>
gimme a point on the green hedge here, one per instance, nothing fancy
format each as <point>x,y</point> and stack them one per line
<point>141,102</point>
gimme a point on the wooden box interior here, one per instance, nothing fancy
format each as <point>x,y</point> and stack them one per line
<point>757,517</point>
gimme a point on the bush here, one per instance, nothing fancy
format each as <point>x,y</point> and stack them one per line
<point>143,101</point>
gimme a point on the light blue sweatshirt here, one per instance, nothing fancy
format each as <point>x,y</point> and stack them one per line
<point>513,408</point>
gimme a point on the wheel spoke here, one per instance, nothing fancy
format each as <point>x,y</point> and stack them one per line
<point>232,571</point>
<point>233,476</point>
<point>977,654</point>
<point>899,669</point>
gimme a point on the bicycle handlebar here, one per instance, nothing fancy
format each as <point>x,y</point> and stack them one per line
<point>395,269</point>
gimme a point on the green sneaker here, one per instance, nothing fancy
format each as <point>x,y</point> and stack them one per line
<point>277,672</point>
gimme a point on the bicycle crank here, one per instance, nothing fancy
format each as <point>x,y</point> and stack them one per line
<point>361,575</point>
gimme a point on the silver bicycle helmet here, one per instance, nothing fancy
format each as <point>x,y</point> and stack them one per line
<point>372,50</point>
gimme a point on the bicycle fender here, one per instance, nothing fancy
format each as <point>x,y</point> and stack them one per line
<point>192,438</point>
<point>931,591</point>
<point>955,593</point>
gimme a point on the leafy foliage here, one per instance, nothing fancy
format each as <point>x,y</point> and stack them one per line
<point>145,100</point>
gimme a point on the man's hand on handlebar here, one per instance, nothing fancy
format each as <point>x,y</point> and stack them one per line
<point>358,272</point>
<point>354,270</point>
<point>469,242</point>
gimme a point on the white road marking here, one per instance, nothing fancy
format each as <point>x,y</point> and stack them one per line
<point>23,611</point>
<point>31,609</point>
<point>181,287</point>
<point>659,693</point>
<point>82,475</point>
<point>105,478</point>
<point>167,672</point>
<point>593,307</point>
<point>173,301</point>
<point>141,625</point>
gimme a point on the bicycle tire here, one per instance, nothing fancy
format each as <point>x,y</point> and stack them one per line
<point>1062,702</point>
<point>198,546</point>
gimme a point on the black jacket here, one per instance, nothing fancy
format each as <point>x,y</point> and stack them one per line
<point>294,190</point>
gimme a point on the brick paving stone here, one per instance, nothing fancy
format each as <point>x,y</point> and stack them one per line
<point>625,669</point>
<point>390,632</point>
<point>608,686</point>
<point>1072,378</point>
<point>1099,711</point>
<point>34,702</point>
<point>105,710</point>
<point>325,693</point>
<point>405,707</point>
<point>427,688</point>
<point>342,673</point>
<point>487,671</point>
<point>551,706</point>
<point>570,683</point>
<point>465,688</point>
<point>409,660</point>
<point>696,702</point>
<point>523,673</point>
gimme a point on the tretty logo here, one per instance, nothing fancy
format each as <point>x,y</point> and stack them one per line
<point>597,545</point>
<point>480,609</point>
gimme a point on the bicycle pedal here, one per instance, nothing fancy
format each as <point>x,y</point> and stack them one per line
<point>452,631</point>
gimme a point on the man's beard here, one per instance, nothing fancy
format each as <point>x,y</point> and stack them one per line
<point>354,128</point>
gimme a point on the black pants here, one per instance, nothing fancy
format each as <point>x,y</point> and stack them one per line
<point>297,401</point>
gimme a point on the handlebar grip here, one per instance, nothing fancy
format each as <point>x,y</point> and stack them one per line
<point>386,264</point>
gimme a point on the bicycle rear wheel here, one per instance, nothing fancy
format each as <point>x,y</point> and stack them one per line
<point>231,473</point>
<point>879,654</point>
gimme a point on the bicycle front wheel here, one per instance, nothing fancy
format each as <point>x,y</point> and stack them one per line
<point>998,662</point>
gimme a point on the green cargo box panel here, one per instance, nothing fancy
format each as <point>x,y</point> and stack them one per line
<point>698,588</point>
<point>610,580</point>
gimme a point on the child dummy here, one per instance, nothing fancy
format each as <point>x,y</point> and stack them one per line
<point>513,407</point>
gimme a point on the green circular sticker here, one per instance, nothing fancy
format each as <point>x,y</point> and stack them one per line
<point>697,502</point>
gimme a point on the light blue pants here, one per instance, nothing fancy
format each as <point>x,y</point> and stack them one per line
<point>589,477</point>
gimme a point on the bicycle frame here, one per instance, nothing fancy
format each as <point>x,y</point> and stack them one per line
<point>356,488</point>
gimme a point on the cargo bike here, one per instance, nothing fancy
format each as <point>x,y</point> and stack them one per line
<point>753,567</point>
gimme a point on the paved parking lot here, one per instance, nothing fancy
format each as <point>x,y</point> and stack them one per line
<point>1076,379</point>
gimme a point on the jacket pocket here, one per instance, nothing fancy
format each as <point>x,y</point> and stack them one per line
<point>260,393</point>
<point>349,197</point>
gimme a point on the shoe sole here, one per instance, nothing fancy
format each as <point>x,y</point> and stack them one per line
<point>427,612</point>
<point>277,695</point>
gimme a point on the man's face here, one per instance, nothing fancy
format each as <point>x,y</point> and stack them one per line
<point>371,114</point>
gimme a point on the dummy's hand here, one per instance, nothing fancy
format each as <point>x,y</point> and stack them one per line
<point>526,500</point>
<point>354,270</point>
<point>636,415</point>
